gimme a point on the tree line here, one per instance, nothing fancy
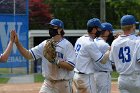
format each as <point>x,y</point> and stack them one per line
<point>75,13</point>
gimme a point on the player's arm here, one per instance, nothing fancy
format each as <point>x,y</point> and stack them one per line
<point>105,57</point>
<point>5,55</point>
<point>21,49</point>
<point>70,58</point>
<point>95,53</point>
<point>65,65</point>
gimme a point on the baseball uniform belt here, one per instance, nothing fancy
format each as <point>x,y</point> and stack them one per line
<point>103,71</point>
<point>55,81</point>
<point>79,72</point>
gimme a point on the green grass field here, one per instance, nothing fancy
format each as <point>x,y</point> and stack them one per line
<point>114,74</point>
<point>3,80</point>
<point>38,78</point>
<point>4,70</point>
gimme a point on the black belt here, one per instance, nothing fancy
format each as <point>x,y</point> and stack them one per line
<point>103,71</point>
<point>60,80</point>
<point>79,72</point>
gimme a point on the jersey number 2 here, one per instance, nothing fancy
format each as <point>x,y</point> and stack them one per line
<point>78,47</point>
<point>124,54</point>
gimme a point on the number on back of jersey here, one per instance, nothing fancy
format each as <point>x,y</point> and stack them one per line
<point>124,54</point>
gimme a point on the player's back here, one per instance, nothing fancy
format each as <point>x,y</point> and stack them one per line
<point>124,53</point>
<point>86,53</point>
<point>101,44</point>
<point>82,57</point>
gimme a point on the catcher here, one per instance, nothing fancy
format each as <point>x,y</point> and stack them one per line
<point>57,56</point>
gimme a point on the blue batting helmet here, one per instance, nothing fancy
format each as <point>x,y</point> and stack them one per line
<point>57,22</point>
<point>94,22</point>
<point>128,20</point>
<point>107,26</point>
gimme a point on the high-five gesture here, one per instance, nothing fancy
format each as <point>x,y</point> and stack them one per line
<point>21,49</point>
<point>12,36</point>
<point>5,55</point>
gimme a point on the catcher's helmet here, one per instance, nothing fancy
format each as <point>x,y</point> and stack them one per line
<point>94,22</point>
<point>107,26</point>
<point>57,22</point>
<point>128,20</point>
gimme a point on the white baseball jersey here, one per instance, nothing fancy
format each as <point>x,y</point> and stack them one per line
<point>138,37</point>
<point>102,71</point>
<point>65,51</point>
<point>86,53</point>
<point>103,47</point>
<point>125,53</point>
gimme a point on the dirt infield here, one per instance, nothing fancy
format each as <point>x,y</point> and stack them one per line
<point>33,88</point>
<point>114,88</point>
<point>20,88</point>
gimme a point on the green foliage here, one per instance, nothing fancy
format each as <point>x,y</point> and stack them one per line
<point>117,8</point>
<point>39,14</point>
<point>76,13</point>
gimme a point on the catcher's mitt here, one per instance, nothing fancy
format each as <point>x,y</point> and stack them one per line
<point>49,51</point>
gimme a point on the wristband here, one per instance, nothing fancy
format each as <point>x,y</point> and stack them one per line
<point>57,62</point>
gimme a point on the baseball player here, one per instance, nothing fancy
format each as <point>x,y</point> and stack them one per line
<point>86,54</point>
<point>116,35</point>
<point>125,53</point>
<point>138,34</point>
<point>102,71</point>
<point>58,77</point>
<point>4,56</point>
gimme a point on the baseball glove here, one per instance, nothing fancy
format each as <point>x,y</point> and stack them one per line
<point>49,50</point>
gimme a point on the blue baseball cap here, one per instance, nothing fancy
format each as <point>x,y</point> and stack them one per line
<point>107,26</point>
<point>57,22</point>
<point>94,22</point>
<point>128,20</point>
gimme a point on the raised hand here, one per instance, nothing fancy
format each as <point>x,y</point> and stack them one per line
<point>16,40</point>
<point>12,36</point>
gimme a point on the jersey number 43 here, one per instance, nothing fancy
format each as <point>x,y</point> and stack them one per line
<point>124,54</point>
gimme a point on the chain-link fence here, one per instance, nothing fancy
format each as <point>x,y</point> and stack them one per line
<point>12,6</point>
